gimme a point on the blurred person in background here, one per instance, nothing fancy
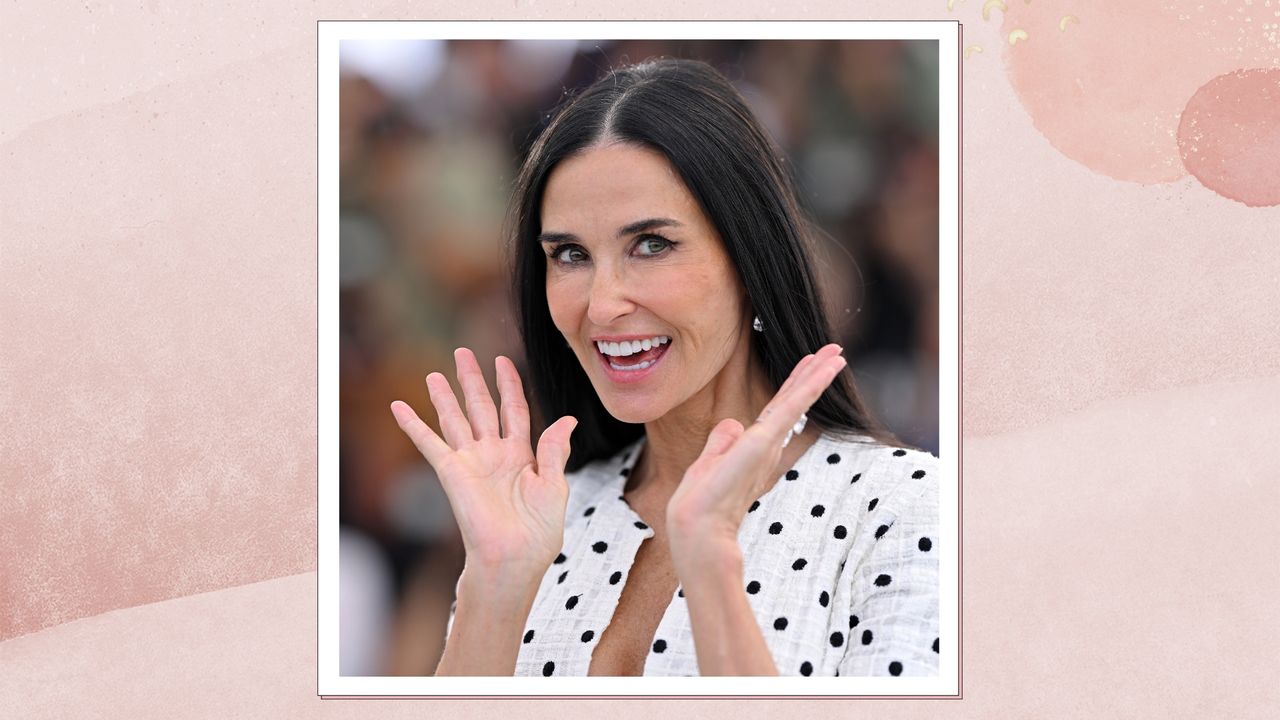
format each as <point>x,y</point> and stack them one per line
<point>674,325</point>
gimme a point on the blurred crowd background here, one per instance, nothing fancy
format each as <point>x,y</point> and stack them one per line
<point>431,136</point>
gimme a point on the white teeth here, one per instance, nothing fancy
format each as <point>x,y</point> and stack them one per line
<point>637,366</point>
<point>624,348</point>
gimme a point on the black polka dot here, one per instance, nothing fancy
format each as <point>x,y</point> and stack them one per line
<point>586,636</point>
<point>641,526</point>
<point>880,531</point>
<point>659,646</point>
<point>883,580</point>
<point>600,546</point>
<point>817,510</point>
<point>563,575</point>
<point>780,624</point>
<point>806,668</point>
<point>753,587</point>
<point>680,592</point>
<point>621,498</point>
<point>917,474</point>
<point>824,598</point>
<point>853,621</point>
<point>626,472</point>
<point>832,459</point>
<point>754,506</point>
<point>549,668</point>
<point>872,505</point>
<point>840,532</point>
<point>866,637</point>
<point>615,577</point>
<point>925,544</point>
<point>895,668</point>
<point>899,452</point>
<point>775,528</point>
<point>792,474</point>
<point>626,456</point>
<point>799,564</point>
<point>588,511</point>
<point>935,644</point>
<point>560,558</point>
<point>837,639</point>
<point>856,478</point>
<point>528,637</point>
<point>571,603</point>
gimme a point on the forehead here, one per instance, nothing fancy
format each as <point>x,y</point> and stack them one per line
<point>614,185</point>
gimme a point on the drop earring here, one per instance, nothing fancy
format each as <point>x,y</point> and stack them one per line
<point>757,325</point>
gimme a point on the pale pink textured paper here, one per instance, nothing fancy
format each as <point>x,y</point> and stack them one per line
<point>157,375</point>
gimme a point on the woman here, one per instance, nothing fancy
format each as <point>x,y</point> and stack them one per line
<point>674,328</point>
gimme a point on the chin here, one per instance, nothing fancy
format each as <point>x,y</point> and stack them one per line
<point>635,413</point>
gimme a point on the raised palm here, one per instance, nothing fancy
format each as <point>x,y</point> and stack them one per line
<point>736,464</point>
<point>509,503</point>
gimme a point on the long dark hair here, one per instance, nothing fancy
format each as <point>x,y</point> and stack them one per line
<point>691,114</point>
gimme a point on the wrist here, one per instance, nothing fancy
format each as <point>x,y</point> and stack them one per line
<point>706,557</point>
<point>504,589</point>
<point>490,619</point>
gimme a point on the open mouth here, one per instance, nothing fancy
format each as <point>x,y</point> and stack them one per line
<point>630,360</point>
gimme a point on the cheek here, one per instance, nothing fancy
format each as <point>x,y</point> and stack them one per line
<point>565,304</point>
<point>714,290</point>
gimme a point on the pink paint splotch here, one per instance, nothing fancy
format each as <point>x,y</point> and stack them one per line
<point>1106,82</point>
<point>1229,136</point>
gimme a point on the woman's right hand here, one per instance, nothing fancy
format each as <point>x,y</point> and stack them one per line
<point>509,503</point>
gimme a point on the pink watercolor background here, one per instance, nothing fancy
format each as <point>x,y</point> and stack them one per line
<point>1121,357</point>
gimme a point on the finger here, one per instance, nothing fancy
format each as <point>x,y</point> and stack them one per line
<point>480,408</point>
<point>816,360</point>
<point>722,437</point>
<point>797,370</point>
<point>784,410</point>
<point>802,370</point>
<point>454,425</point>
<point>812,364</point>
<point>424,438</point>
<point>515,409</point>
<point>554,448</point>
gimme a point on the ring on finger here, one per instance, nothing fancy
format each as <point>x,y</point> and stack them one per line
<point>796,429</point>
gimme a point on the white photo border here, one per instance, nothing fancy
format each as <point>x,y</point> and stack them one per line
<point>947,683</point>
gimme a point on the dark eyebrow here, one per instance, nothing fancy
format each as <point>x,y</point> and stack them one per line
<point>553,237</point>
<point>638,226</point>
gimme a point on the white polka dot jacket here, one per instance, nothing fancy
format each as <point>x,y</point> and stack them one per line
<point>840,565</point>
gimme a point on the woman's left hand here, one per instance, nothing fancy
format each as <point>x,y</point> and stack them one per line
<point>737,464</point>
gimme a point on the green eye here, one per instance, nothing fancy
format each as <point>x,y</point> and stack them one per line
<point>652,244</point>
<point>567,254</point>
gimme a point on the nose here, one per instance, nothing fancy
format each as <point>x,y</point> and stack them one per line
<point>610,297</point>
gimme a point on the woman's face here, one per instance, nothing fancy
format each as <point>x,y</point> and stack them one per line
<point>631,257</point>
